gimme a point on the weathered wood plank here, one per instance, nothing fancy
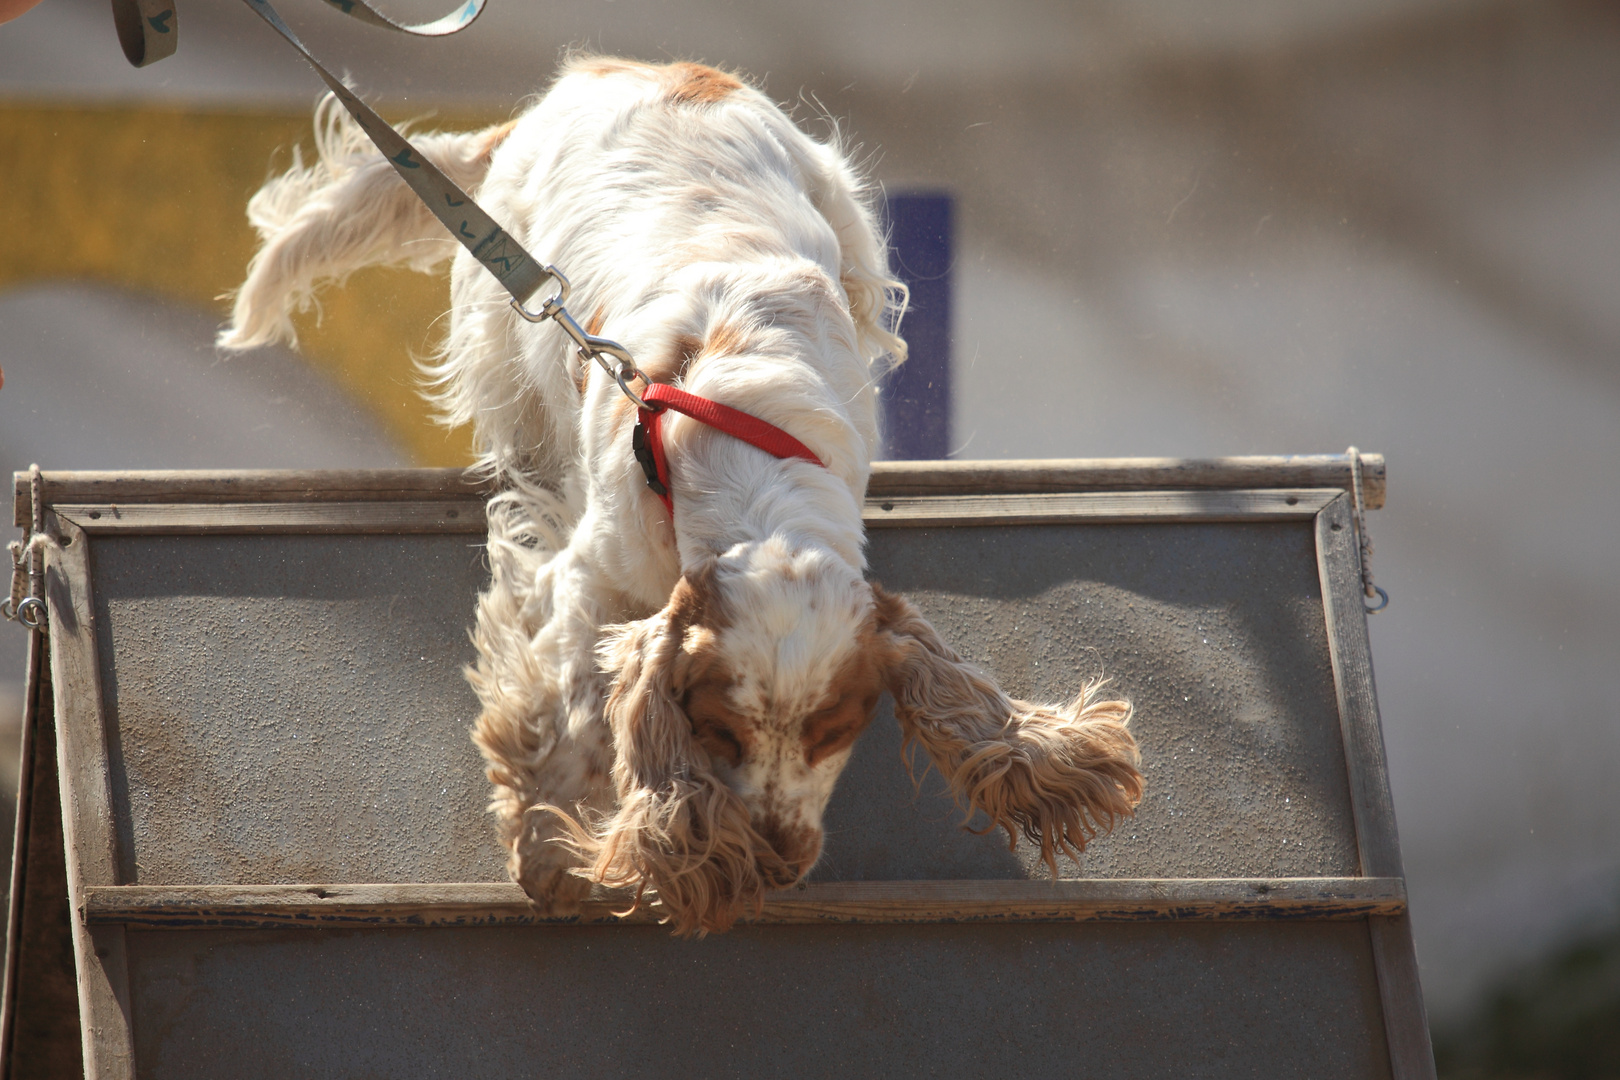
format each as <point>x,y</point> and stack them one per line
<point>253,485</point>
<point>1338,554</point>
<point>915,511</point>
<point>1339,564</point>
<point>901,511</point>
<point>20,836</point>
<point>42,1037</point>
<point>889,478</point>
<point>1406,1021</point>
<point>87,812</point>
<point>214,906</point>
<point>264,518</point>
<point>1124,474</point>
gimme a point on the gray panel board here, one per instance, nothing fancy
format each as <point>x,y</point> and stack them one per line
<point>290,709</point>
<point>1215,632</point>
<point>1166,1000</point>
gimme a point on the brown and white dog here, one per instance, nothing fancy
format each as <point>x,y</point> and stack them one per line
<point>668,704</point>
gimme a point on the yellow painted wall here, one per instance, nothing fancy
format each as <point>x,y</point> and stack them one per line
<point>154,199</point>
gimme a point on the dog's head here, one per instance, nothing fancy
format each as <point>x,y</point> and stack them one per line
<point>736,707</point>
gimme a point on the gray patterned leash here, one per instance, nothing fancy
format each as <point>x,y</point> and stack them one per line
<point>148,31</point>
<point>501,255</point>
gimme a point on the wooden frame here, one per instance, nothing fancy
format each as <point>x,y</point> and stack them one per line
<point>889,478</point>
<point>19,850</point>
<point>482,904</point>
<point>1338,559</point>
<point>88,830</point>
<point>904,495</point>
<point>901,511</point>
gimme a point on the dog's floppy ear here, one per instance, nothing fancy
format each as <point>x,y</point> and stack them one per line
<point>677,828</point>
<point>1057,774</point>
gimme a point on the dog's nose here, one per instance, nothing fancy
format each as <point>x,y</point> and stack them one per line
<point>782,874</point>
<point>793,853</point>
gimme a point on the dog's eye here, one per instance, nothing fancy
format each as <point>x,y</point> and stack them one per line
<point>827,742</point>
<point>715,727</point>
<point>830,743</point>
<point>835,739</point>
<point>828,713</point>
<point>829,730</point>
<point>720,742</point>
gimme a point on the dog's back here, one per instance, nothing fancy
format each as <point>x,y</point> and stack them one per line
<point>630,177</point>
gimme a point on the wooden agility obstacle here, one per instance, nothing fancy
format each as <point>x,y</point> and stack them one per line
<point>252,821</point>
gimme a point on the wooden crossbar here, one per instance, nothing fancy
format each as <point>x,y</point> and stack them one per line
<point>889,478</point>
<point>900,511</point>
<point>479,904</point>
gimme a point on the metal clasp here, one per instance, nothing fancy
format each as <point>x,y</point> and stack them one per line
<point>591,347</point>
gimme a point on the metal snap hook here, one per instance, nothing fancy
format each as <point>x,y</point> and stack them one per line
<point>549,309</point>
<point>591,347</point>
<point>623,376</point>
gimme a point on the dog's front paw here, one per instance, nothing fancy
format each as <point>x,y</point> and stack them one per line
<point>552,889</point>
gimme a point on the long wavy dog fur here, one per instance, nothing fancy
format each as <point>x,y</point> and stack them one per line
<point>667,704</point>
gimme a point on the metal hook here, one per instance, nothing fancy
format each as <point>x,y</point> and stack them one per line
<point>30,612</point>
<point>549,309</point>
<point>1383,601</point>
<point>622,378</point>
<point>591,347</point>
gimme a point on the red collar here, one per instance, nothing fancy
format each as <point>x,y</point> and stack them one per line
<point>648,443</point>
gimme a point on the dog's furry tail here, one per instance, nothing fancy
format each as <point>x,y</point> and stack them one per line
<point>877,298</point>
<point>348,210</point>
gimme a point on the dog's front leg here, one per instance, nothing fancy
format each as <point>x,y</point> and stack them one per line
<point>541,731</point>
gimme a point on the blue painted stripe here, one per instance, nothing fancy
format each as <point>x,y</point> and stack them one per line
<point>917,396</point>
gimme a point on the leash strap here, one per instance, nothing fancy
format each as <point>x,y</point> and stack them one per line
<point>459,19</point>
<point>501,255</point>
<point>647,440</point>
<point>148,31</point>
